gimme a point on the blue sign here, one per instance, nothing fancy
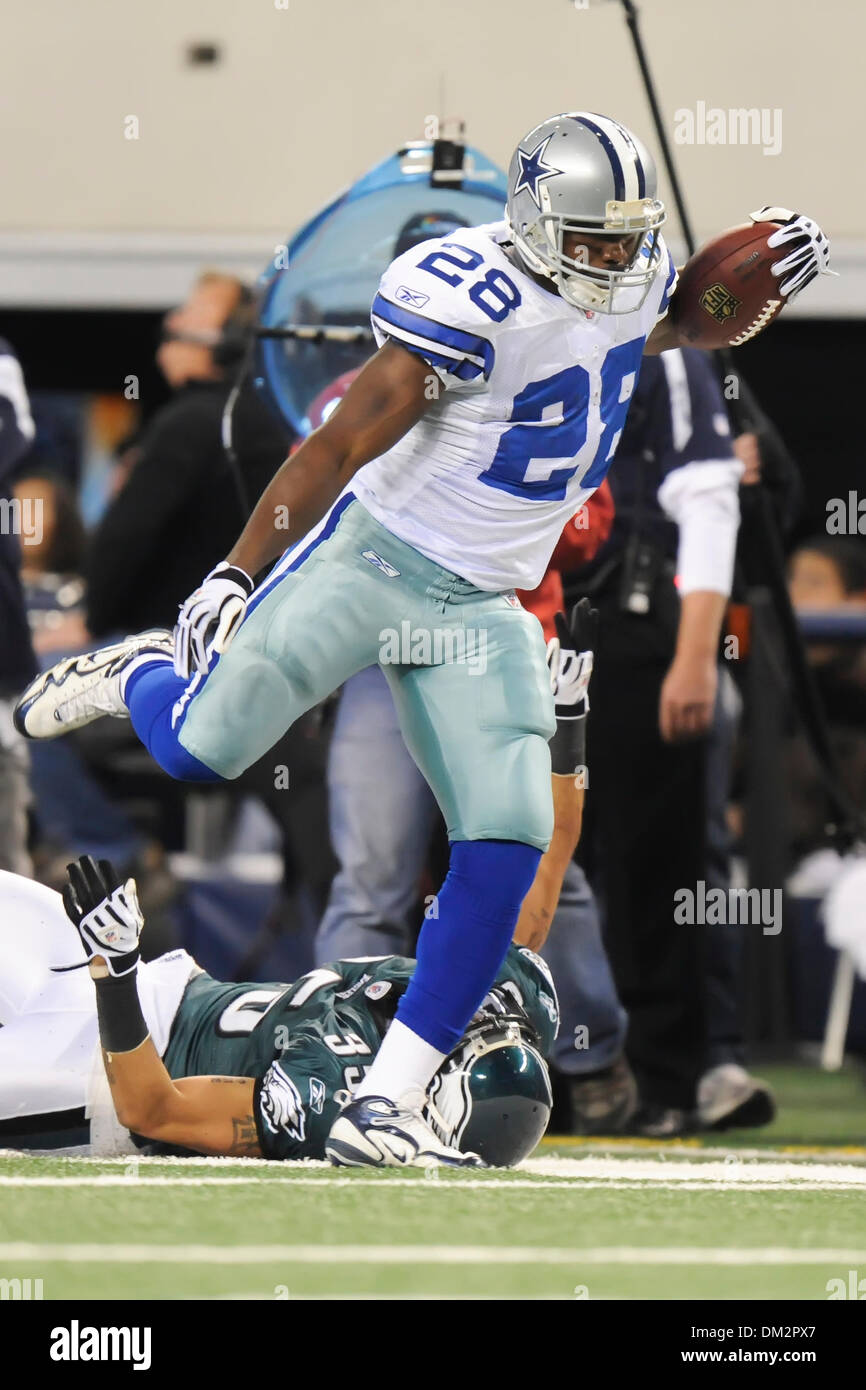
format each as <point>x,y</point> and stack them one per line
<point>328,272</point>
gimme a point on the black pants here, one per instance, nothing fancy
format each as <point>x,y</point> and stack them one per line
<point>643,839</point>
<point>725,941</point>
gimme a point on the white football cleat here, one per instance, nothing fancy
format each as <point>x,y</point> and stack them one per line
<point>83,688</point>
<point>730,1098</point>
<point>373,1132</point>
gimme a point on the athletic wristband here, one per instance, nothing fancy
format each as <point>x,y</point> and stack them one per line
<point>118,1009</point>
<point>568,746</point>
<point>234,574</point>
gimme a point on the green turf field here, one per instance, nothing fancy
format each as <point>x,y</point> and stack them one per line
<point>771,1214</point>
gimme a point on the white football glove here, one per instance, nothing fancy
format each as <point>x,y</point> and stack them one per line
<point>807,250</point>
<point>210,617</point>
<point>104,912</point>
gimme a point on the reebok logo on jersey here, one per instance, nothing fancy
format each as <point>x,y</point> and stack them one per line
<point>317,1095</point>
<point>373,559</point>
<point>413,297</point>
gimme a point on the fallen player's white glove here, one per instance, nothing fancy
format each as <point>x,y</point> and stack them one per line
<point>104,912</point>
<point>210,617</point>
<point>807,250</point>
<point>569,660</point>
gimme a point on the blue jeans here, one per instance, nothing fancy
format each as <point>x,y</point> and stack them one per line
<point>592,1023</point>
<point>382,814</point>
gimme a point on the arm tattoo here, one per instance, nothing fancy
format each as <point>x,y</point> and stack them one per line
<point>245,1140</point>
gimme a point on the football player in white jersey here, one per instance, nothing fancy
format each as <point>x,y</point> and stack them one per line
<point>508,354</point>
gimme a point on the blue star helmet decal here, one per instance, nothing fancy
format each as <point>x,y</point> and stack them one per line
<point>533,169</point>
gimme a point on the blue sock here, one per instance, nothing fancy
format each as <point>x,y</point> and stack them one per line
<point>461,950</point>
<point>151,693</point>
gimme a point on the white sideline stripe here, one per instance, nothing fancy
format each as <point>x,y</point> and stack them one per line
<point>687,1184</point>
<point>166,1161</point>
<point>732,1170</point>
<point>566,1146</point>
<point>591,1171</point>
<point>571,1163</point>
<point>422,1254</point>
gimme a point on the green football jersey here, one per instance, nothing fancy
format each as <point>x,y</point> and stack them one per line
<point>308,1041</point>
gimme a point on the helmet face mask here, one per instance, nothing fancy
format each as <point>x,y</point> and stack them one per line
<point>586,175</point>
<point>492,1095</point>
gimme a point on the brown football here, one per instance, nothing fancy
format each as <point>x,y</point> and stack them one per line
<point>727,292</point>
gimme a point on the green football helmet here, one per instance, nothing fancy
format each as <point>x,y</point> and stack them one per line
<point>492,1095</point>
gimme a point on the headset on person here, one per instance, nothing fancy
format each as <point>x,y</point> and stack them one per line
<point>229,343</point>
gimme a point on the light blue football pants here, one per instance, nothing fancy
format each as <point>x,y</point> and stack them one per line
<point>466,669</point>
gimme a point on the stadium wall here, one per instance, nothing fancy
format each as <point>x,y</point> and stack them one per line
<point>126,162</point>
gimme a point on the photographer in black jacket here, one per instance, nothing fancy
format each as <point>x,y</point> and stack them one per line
<point>180,508</point>
<point>179,513</point>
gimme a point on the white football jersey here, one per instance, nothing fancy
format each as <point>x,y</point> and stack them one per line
<point>534,400</point>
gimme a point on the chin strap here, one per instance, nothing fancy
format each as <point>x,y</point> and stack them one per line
<point>436,1120</point>
<point>526,254</point>
<point>583,290</point>
<point>577,286</point>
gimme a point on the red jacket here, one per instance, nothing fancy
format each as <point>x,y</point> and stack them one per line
<point>582,537</point>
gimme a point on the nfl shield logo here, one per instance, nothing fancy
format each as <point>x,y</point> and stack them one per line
<point>378,989</point>
<point>719,303</point>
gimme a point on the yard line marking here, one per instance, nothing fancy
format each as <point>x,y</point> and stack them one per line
<point>422,1254</point>
<point>389,1298</point>
<point>372,1298</point>
<point>284,1180</point>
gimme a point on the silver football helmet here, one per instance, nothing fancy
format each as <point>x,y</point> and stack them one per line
<point>580,172</point>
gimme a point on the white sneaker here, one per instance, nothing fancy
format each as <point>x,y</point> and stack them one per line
<point>729,1098</point>
<point>375,1132</point>
<point>83,688</point>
